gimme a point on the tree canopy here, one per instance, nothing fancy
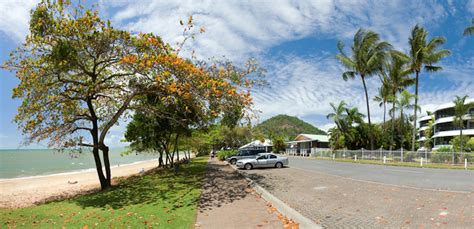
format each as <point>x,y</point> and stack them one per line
<point>79,75</point>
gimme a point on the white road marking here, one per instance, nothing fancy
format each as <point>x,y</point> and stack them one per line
<point>404,171</point>
<point>320,188</point>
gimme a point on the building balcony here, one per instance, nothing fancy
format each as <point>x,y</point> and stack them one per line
<point>444,120</point>
<point>451,133</point>
<point>423,128</point>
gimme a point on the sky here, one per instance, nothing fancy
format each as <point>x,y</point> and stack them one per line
<point>295,41</point>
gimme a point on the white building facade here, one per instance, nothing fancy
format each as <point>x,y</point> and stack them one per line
<point>443,127</point>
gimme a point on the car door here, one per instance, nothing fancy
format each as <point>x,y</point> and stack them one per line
<point>261,161</point>
<point>271,160</point>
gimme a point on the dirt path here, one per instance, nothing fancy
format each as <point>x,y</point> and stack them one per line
<point>228,202</point>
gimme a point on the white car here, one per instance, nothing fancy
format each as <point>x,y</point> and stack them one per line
<point>263,160</point>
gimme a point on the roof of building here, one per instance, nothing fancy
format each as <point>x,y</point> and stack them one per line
<point>257,143</point>
<point>313,137</point>
<point>451,104</point>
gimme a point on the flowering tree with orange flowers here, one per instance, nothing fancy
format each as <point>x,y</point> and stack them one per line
<point>79,75</point>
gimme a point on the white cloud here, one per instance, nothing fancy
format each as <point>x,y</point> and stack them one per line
<point>115,140</point>
<point>305,87</point>
<point>470,6</point>
<point>327,126</point>
<point>238,29</point>
<point>302,87</point>
<point>14,17</point>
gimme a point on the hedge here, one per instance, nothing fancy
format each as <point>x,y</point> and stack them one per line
<point>223,154</point>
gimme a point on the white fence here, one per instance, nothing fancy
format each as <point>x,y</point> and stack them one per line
<point>387,156</point>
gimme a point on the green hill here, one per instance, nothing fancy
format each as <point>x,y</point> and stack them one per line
<point>286,126</point>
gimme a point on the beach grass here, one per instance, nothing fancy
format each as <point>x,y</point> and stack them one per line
<point>159,199</point>
<point>403,164</point>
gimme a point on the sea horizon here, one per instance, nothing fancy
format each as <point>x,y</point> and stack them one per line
<point>25,163</point>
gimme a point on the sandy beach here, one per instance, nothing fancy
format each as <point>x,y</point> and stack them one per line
<point>23,192</point>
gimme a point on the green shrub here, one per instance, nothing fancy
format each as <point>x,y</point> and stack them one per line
<point>223,154</point>
<point>409,156</point>
<point>441,157</point>
<point>444,149</point>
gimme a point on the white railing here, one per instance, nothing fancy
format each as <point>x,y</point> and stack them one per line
<point>387,156</point>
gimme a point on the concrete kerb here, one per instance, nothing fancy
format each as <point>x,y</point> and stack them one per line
<point>280,205</point>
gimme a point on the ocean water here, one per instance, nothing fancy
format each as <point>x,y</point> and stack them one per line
<point>34,162</point>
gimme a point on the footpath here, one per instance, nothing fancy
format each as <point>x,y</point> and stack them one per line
<point>227,201</point>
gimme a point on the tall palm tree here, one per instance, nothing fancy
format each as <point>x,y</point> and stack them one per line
<point>402,104</point>
<point>423,54</point>
<point>461,109</point>
<point>368,55</point>
<point>396,73</point>
<point>338,115</point>
<point>469,31</point>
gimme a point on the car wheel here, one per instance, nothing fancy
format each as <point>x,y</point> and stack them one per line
<point>278,165</point>
<point>233,161</point>
<point>248,166</point>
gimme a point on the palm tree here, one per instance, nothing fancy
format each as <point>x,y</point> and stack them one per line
<point>402,104</point>
<point>460,110</point>
<point>354,116</point>
<point>338,115</point>
<point>423,54</point>
<point>368,55</point>
<point>396,74</point>
<point>383,97</point>
<point>470,29</point>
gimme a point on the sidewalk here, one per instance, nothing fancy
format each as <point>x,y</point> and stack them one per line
<point>228,202</point>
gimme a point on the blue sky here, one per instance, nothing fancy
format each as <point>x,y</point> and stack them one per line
<point>294,40</point>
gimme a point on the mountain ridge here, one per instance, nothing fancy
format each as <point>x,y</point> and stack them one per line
<point>286,126</point>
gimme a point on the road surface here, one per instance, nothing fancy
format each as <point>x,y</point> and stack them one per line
<point>423,178</point>
<point>349,195</point>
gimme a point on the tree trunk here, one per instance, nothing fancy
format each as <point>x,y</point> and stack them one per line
<point>160,159</point>
<point>384,113</point>
<point>98,166</point>
<point>95,146</point>
<point>368,113</point>
<point>105,154</point>
<point>176,147</point>
<point>393,125</point>
<point>460,135</point>
<point>402,121</point>
<point>413,143</point>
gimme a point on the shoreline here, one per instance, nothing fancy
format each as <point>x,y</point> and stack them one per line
<point>74,171</point>
<point>28,191</point>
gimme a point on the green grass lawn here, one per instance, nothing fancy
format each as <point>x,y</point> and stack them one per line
<point>160,199</point>
<point>404,164</point>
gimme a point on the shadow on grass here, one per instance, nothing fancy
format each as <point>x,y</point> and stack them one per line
<point>154,188</point>
<point>222,186</point>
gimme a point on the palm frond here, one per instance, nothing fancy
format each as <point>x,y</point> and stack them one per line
<point>430,68</point>
<point>470,29</point>
<point>348,75</point>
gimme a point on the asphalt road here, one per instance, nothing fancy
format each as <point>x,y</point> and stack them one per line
<point>423,178</point>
